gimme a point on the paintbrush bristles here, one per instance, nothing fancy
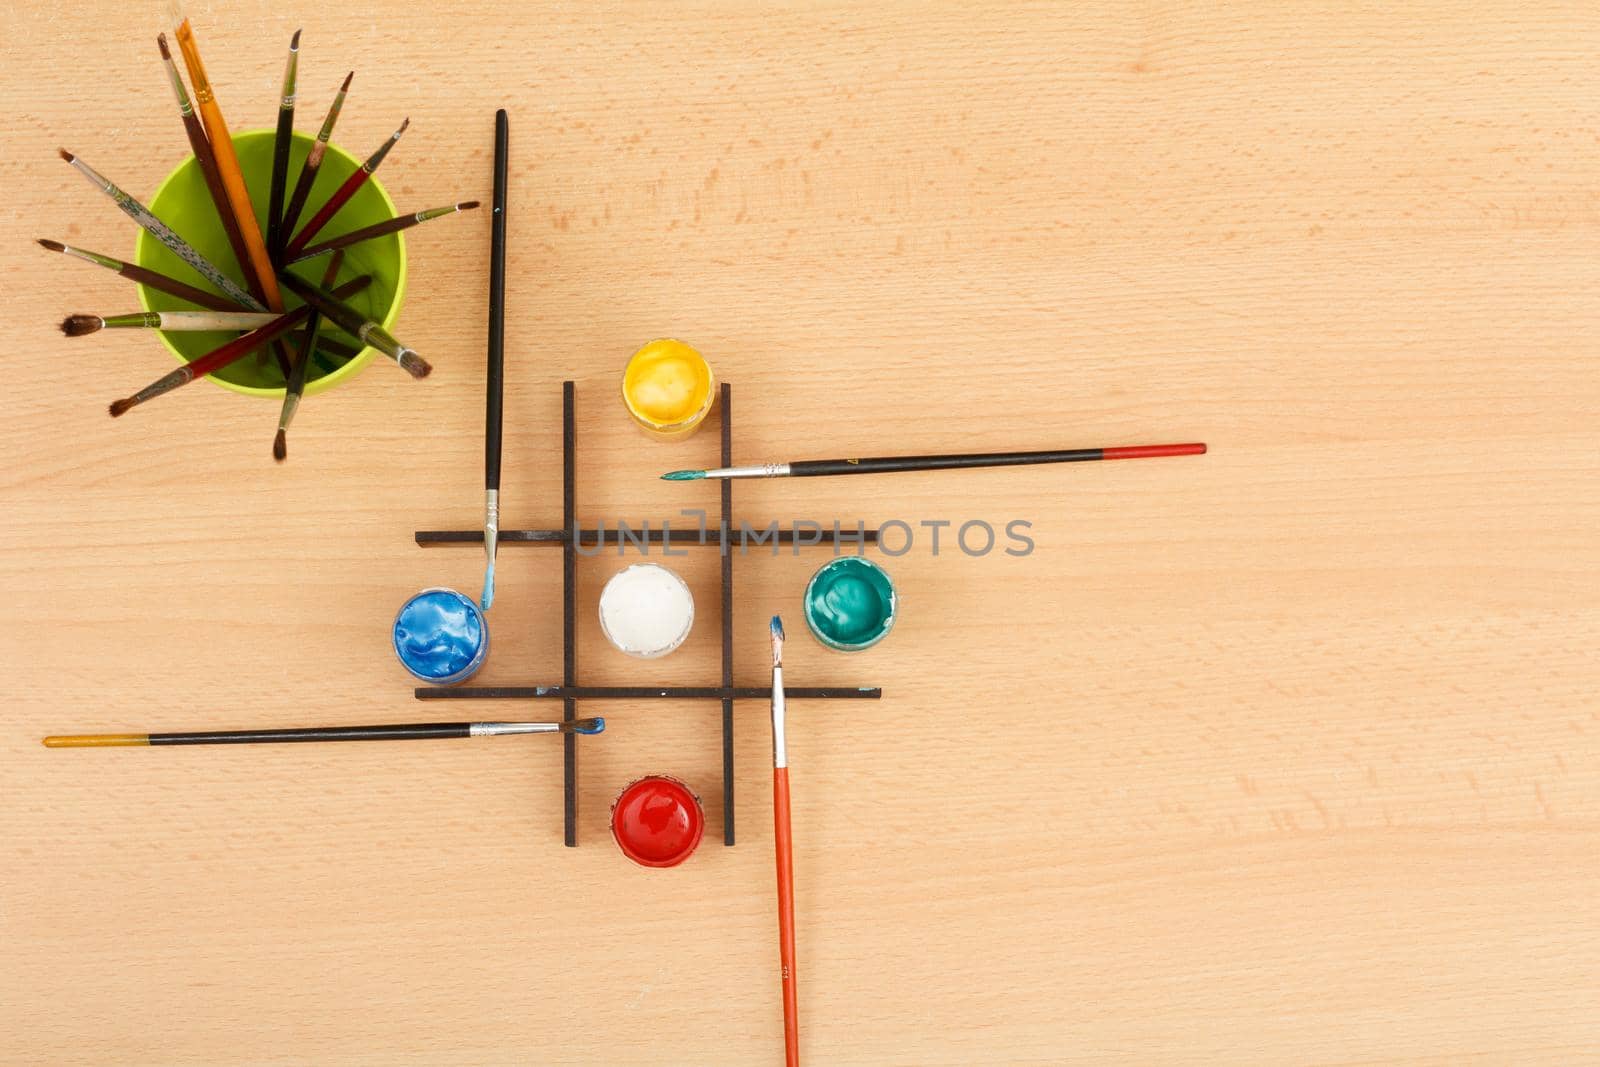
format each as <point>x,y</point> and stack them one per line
<point>776,629</point>
<point>78,325</point>
<point>414,364</point>
<point>54,246</point>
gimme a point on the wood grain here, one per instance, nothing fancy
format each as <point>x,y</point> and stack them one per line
<point>1285,755</point>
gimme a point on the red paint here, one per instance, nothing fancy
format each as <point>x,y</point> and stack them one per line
<point>657,822</point>
<point>1152,451</point>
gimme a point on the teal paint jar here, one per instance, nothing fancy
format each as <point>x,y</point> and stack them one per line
<point>850,604</point>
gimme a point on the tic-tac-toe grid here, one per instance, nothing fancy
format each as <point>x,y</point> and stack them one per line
<point>569,692</point>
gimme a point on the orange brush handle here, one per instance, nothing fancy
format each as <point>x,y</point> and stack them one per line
<point>260,265</point>
<point>785,851</point>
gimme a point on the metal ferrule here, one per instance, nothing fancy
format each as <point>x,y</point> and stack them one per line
<point>184,107</point>
<point>151,319</point>
<point>780,752</point>
<point>327,123</point>
<point>96,177</point>
<point>288,79</point>
<point>377,157</point>
<point>182,376</point>
<point>499,729</point>
<point>376,336</point>
<point>94,257</point>
<point>291,404</point>
<point>760,470</point>
<point>191,59</point>
<point>491,523</point>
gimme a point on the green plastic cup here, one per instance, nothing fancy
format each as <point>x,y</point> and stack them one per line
<point>183,202</point>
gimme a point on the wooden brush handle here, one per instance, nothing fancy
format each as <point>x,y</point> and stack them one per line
<point>785,851</point>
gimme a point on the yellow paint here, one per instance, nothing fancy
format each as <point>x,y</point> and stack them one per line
<point>668,388</point>
<point>95,740</point>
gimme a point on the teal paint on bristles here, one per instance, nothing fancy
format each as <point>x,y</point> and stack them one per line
<point>683,476</point>
<point>589,726</point>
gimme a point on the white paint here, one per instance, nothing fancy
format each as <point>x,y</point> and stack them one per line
<point>646,610</point>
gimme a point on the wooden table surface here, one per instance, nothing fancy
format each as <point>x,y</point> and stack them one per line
<point>1289,754</point>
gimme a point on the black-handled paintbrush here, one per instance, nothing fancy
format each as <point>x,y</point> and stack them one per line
<point>411,731</point>
<point>308,169</point>
<point>357,325</point>
<point>280,149</point>
<point>495,391</point>
<point>811,468</point>
<point>295,387</point>
<point>382,229</point>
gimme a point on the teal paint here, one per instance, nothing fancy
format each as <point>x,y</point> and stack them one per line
<point>683,476</point>
<point>850,604</point>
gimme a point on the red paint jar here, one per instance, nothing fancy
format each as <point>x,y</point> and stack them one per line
<point>657,822</point>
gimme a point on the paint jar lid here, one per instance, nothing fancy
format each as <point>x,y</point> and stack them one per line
<point>850,604</point>
<point>646,610</point>
<point>441,636</point>
<point>657,821</point>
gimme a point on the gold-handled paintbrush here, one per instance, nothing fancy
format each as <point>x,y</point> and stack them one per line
<point>411,731</point>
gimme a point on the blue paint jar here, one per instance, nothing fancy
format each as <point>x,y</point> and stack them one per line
<point>441,636</point>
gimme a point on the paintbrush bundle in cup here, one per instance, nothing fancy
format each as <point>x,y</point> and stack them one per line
<point>247,295</point>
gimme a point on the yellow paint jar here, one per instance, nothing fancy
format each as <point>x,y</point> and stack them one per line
<point>668,388</point>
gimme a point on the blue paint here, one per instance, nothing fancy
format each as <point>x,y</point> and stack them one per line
<point>441,636</point>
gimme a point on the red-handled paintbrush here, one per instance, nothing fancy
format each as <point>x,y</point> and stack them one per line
<point>784,847</point>
<point>220,357</point>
